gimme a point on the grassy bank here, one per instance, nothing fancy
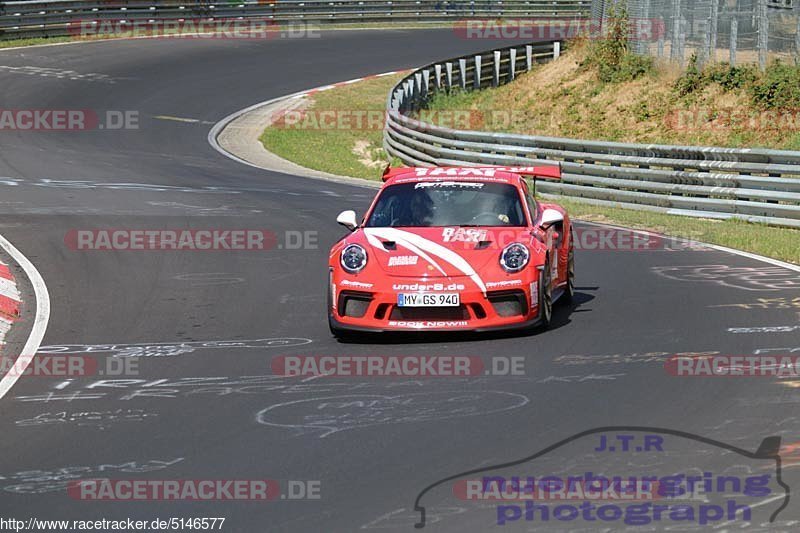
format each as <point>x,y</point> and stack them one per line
<point>717,106</point>
<point>328,135</point>
<point>336,151</point>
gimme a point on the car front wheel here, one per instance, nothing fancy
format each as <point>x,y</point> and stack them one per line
<point>545,297</point>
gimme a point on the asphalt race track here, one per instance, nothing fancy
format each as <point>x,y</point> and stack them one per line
<point>372,444</point>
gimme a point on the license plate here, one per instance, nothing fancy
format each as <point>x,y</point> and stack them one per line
<point>422,299</point>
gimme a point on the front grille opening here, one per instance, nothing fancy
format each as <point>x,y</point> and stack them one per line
<point>430,313</point>
<point>508,303</point>
<point>477,310</point>
<point>354,304</point>
<point>380,312</point>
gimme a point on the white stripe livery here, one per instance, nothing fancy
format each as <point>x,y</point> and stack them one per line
<point>420,245</point>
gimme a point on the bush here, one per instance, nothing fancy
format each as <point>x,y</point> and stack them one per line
<point>633,66</point>
<point>690,81</point>
<point>779,87</point>
<point>722,74</point>
<point>731,78</point>
<point>610,54</point>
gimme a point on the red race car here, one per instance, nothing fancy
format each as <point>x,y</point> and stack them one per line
<point>452,249</point>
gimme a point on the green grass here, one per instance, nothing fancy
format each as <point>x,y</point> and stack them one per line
<point>334,149</point>
<point>778,243</point>
<point>14,43</point>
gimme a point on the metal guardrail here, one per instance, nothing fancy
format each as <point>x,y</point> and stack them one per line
<point>51,18</point>
<point>751,184</point>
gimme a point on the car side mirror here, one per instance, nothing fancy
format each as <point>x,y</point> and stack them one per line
<point>550,217</point>
<point>348,219</point>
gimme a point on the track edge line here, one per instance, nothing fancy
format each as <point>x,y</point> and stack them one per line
<point>41,319</point>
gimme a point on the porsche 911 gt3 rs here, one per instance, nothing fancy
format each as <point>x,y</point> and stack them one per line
<point>452,249</point>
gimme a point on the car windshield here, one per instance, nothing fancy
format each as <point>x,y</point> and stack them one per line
<point>435,204</point>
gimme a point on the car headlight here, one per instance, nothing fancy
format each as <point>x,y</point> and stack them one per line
<point>354,258</point>
<point>515,257</point>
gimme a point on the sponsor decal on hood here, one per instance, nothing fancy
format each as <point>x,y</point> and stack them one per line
<point>434,253</point>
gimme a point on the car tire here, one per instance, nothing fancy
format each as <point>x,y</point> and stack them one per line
<point>569,290</point>
<point>341,334</point>
<point>545,297</point>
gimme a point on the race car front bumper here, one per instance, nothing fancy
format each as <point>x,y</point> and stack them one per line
<point>369,310</point>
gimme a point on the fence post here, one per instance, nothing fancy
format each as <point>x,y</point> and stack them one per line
<point>556,50</point>
<point>528,58</point>
<point>734,39</point>
<point>641,40</point>
<point>714,29</point>
<point>512,72</point>
<point>462,66</point>
<point>496,69</point>
<point>763,34</point>
<point>705,56</point>
<point>676,30</point>
<point>476,79</point>
<point>797,40</point>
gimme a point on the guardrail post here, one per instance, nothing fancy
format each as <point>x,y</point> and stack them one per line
<point>418,85</point>
<point>426,78</point>
<point>462,67</point>
<point>496,75</point>
<point>556,50</point>
<point>476,80</point>
<point>449,69</point>
<point>409,90</point>
<point>512,53</point>
<point>528,58</point>
<point>734,40</point>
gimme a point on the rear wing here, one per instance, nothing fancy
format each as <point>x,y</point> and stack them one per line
<point>552,171</point>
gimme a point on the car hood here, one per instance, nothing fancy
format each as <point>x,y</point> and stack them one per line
<point>439,252</point>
